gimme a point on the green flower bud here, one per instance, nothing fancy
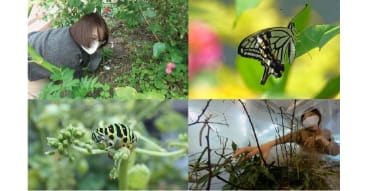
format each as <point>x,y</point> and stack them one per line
<point>53,142</point>
<point>79,134</point>
<point>60,137</point>
<point>139,176</point>
<point>65,142</point>
<point>60,147</point>
<point>67,135</point>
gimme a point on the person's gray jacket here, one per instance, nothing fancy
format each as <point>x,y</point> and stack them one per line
<point>59,48</point>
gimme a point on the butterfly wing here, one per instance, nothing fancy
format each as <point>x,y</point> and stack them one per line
<point>249,47</point>
<point>270,46</point>
<point>282,42</point>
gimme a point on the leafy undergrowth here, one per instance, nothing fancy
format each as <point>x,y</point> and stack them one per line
<point>134,58</point>
<point>300,173</point>
<point>146,56</point>
<point>297,173</point>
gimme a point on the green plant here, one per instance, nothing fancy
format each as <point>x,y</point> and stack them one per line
<point>131,93</point>
<point>297,171</point>
<point>165,22</point>
<point>63,13</point>
<point>306,40</point>
<point>64,85</point>
<point>147,35</point>
<point>68,126</point>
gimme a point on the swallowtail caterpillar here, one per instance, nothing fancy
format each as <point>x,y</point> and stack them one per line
<point>114,136</point>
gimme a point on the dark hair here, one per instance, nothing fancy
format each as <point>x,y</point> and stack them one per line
<point>312,110</point>
<point>82,30</point>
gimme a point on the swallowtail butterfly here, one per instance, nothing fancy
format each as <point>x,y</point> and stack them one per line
<point>271,46</point>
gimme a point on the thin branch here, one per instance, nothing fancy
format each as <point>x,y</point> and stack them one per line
<point>200,115</point>
<point>283,134</point>
<point>202,128</point>
<point>292,125</point>
<point>218,123</point>
<point>209,158</point>
<point>254,131</point>
<point>276,130</point>
<point>269,111</point>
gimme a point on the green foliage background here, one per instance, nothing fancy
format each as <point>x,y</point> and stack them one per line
<point>156,120</point>
<point>158,33</point>
<point>315,72</point>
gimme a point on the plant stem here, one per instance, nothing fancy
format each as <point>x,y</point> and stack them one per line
<point>161,154</point>
<point>37,58</point>
<point>85,151</point>
<point>123,174</point>
<point>254,131</point>
<point>142,151</point>
<point>200,115</point>
<point>149,142</point>
<point>209,158</point>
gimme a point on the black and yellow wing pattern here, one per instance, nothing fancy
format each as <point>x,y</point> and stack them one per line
<point>272,47</point>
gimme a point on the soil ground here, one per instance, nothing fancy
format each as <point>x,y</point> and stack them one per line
<point>125,43</point>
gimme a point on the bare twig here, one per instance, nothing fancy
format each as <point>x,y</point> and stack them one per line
<point>292,127</point>
<point>200,115</point>
<point>218,123</point>
<point>209,158</point>
<point>276,129</point>
<point>254,131</point>
<point>204,125</point>
<point>283,134</point>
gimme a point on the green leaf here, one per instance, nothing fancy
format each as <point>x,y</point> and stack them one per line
<point>74,3</point>
<point>301,20</point>
<point>251,72</point>
<point>154,27</point>
<point>176,58</point>
<point>125,92</point>
<point>234,146</point>
<point>38,59</point>
<point>158,49</point>
<point>151,95</point>
<point>159,84</point>
<point>242,5</point>
<point>150,13</point>
<point>315,36</point>
<point>89,8</point>
<point>328,35</point>
<point>331,89</point>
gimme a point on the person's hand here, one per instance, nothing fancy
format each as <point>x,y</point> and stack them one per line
<point>310,142</point>
<point>253,151</point>
<point>322,139</point>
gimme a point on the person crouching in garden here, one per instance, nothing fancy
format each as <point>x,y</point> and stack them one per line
<point>75,47</point>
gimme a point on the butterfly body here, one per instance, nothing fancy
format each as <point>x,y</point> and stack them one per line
<point>271,46</point>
